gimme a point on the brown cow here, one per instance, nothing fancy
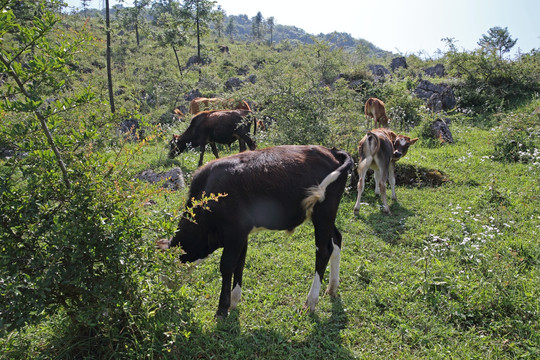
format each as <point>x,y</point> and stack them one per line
<point>374,108</point>
<point>215,126</point>
<point>379,150</point>
<point>275,189</point>
<point>200,103</point>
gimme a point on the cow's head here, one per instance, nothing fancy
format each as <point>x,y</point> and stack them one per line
<point>176,146</point>
<point>401,146</point>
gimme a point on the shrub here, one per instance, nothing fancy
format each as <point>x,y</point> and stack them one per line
<point>518,139</point>
<point>489,84</point>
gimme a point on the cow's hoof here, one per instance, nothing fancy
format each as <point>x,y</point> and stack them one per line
<point>222,314</point>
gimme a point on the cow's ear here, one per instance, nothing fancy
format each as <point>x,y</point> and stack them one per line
<point>393,136</point>
<point>413,141</point>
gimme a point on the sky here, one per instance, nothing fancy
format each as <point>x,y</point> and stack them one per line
<point>401,26</point>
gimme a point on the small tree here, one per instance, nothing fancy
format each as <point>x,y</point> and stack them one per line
<point>497,40</point>
<point>132,16</point>
<point>198,13</point>
<point>171,35</point>
<point>219,18</point>
<point>85,4</point>
<point>230,29</point>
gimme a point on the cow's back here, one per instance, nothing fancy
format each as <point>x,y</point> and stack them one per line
<point>259,183</point>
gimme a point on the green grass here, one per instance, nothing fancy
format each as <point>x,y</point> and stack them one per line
<point>451,273</point>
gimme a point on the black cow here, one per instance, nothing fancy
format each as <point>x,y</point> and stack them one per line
<point>277,189</point>
<point>216,126</point>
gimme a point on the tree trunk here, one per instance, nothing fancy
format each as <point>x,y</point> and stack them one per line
<point>109,74</point>
<point>198,37</point>
<point>177,61</point>
<point>42,121</point>
<point>137,33</point>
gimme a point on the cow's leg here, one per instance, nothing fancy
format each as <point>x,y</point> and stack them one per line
<point>237,283</point>
<point>334,263</point>
<point>242,145</point>
<point>214,149</point>
<point>380,179</point>
<point>377,178</point>
<point>392,180</point>
<point>362,170</point>
<point>233,250</point>
<point>202,148</point>
<point>323,223</point>
<point>250,143</point>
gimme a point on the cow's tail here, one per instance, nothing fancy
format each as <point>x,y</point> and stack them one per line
<point>317,193</point>
<point>367,107</point>
<point>370,146</point>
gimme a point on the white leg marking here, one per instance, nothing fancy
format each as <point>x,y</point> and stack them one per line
<point>313,296</point>
<point>334,271</point>
<point>235,296</point>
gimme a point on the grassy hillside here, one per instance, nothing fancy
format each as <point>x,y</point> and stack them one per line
<point>451,273</point>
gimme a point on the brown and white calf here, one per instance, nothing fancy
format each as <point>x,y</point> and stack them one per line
<point>379,150</point>
<point>201,103</point>
<point>276,189</point>
<point>216,126</point>
<point>374,108</point>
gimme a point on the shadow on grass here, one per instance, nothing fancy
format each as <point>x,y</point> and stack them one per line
<point>231,340</point>
<point>387,226</point>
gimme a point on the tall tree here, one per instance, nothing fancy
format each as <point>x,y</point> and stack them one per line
<point>497,40</point>
<point>109,73</point>
<point>270,23</point>
<point>198,13</point>
<point>257,26</point>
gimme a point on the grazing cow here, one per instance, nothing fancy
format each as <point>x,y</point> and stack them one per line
<point>200,103</point>
<point>374,108</point>
<point>216,126</point>
<point>379,150</point>
<point>275,189</point>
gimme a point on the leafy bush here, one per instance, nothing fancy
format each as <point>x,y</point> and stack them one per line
<point>65,248</point>
<point>71,238</point>
<point>518,139</point>
<point>488,83</point>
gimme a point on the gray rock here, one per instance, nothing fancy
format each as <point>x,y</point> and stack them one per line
<point>398,63</point>
<point>172,179</point>
<point>438,96</point>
